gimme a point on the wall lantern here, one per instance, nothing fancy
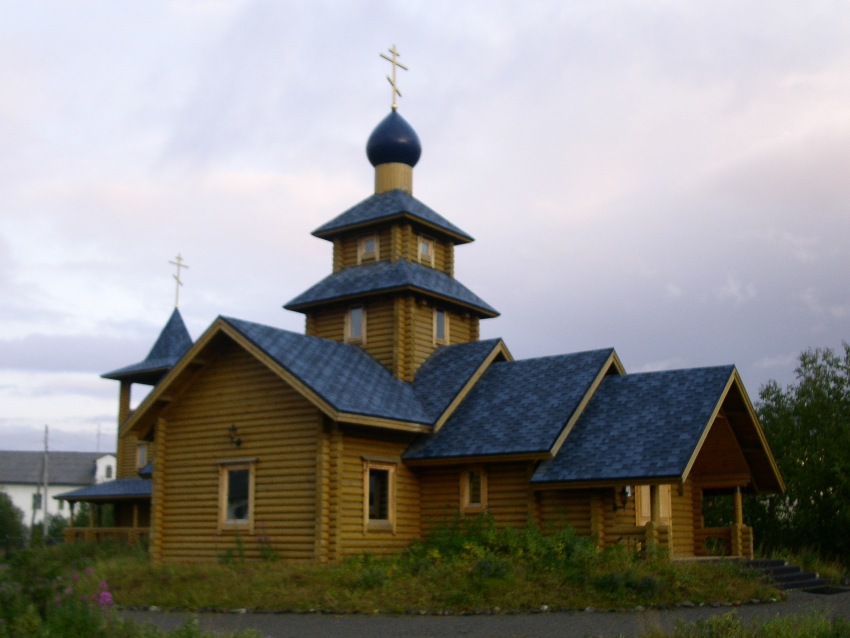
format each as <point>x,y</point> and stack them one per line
<point>234,436</point>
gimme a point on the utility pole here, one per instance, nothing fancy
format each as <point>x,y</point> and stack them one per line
<point>44,499</point>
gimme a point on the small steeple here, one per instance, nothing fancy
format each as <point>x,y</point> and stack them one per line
<point>393,147</point>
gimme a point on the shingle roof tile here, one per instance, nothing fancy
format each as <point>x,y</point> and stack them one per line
<point>63,468</point>
<point>385,276</point>
<point>342,374</point>
<point>518,407</point>
<point>173,342</point>
<point>639,426</point>
<point>446,371</point>
<point>118,489</point>
<point>383,207</point>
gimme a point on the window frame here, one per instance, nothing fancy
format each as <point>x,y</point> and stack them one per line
<point>364,255</point>
<point>379,524</point>
<point>466,504</point>
<point>349,337</point>
<point>141,454</point>
<point>225,468</point>
<point>430,258</point>
<point>436,323</point>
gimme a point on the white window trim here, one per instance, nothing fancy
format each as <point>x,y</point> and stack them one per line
<point>224,523</point>
<point>364,255</point>
<point>387,524</point>
<point>348,336</point>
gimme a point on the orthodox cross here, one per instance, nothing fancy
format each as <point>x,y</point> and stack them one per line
<point>396,64</point>
<point>179,263</point>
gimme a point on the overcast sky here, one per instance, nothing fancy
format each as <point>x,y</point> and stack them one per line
<point>668,178</point>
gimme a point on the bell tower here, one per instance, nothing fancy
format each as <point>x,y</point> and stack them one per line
<point>392,291</point>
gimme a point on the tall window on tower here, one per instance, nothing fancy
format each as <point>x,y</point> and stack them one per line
<point>355,325</point>
<point>426,251</point>
<point>441,326</point>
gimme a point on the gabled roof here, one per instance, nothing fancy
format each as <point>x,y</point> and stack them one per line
<point>517,408</point>
<point>449,369</point>
<point>641,427</point>
<point>173,342</point>
<point>63,468</point>
<point>119,489</point>
<point>388,276</point>
<point>383,207</point>
<point>342,375</point>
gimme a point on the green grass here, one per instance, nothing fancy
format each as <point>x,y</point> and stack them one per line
<point>730,626</point>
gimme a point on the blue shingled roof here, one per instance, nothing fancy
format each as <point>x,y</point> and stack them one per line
<point>117,489</point>
<point>443,375</point>
<point>173,342</point>
<point>386,276</point>
<point>347,378</point>
<point>518,407</point>
<point>639,426</point>
<point>383,207</point>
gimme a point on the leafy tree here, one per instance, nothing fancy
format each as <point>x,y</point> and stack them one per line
<point>808,427</point>
<point>13,532</point>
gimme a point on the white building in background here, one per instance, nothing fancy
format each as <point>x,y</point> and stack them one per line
<point>22,478</point>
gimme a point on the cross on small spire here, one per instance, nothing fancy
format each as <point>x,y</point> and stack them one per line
<point>180,265</point>
<point>396,64</point>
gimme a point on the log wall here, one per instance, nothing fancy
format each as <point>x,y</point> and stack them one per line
<point>279,431</point>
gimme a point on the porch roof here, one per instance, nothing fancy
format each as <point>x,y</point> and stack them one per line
<point>117,490</point>
<point>636,427</point>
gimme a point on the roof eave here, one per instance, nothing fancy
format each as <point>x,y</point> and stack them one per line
<point>303,307</point>
<point>330,233</point>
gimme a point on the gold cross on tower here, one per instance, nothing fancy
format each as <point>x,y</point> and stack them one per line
<point>179,263</point>
<point>396,64</point>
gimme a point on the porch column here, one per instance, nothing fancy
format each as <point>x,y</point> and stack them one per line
<point>124,401</point>
<point>654,516</point>
<point>737,529</point>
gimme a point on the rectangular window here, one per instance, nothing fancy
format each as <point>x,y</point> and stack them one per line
<point>141,456</point>
<point>367,249</point>
<point>441,326</point>
<point>236,496</point>
<point>379,492</point>
<point>355,324</point>
<point>426,251</point>
<point>473,490</point>
<point>36,501</point>
<point>379,495</point>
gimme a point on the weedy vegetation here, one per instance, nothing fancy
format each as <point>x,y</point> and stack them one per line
<point>466,566</point>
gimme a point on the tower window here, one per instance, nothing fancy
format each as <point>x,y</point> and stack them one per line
<point>441,326</point>
<point>367,249</point>
<point>426,251</point>
<point>141,455</point>
<point>355,324</point>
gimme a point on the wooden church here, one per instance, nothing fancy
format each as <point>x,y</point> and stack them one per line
<point>390,416</point>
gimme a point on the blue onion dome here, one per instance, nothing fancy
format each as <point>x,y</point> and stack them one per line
<point>393,140</point>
